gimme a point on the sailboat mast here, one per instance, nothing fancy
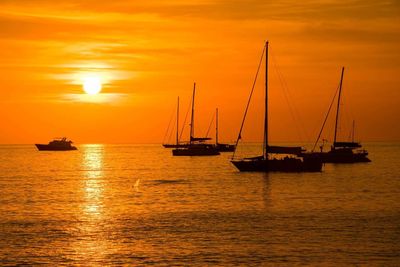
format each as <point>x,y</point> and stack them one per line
<point>338,107</point>
<point>352,134</point>
<point>216,126</point>
<point>177,123</point>
<point>265,146</point>
<point>192,117</point>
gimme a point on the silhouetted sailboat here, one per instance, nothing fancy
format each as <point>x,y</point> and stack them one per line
<point>177,142</point>
<point>341,152</point>
<point>61,144</point>
<point>267,162</point>
<point>221,146</point>
<point>197,145</point>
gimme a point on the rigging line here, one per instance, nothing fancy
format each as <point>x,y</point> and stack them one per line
<point>299,121</point>
<point>347,117</point>
<point>292,105</point>
<point>169,124</point>
<point>286,94</point>
<point>326,117</point>
<point>350,134</point>
<point>348,114</point>
<point>184,121</point>
<point>212,120</point>
<point>171,133</point>
<point>352,116</point>
<point>248,102</point>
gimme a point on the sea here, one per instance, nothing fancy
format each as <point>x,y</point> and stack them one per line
<point>137,205</point>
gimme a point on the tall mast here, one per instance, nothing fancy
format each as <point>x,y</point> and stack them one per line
<point>216,126</point>
<point>265,146</point>
<point>177,123</point>
<point>248,102</point>
<point>352,134</point>
<point>192,118</point>
<point>338,107</point>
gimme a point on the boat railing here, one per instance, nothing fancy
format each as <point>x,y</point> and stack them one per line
<point>360,151</point>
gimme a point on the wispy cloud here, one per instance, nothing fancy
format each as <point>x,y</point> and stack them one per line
<point>102,98</point>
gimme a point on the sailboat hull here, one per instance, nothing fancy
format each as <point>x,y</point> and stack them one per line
<point>175,145</point>
<point>342,156</point>
<point>196,151</point>
<point>278,165</point>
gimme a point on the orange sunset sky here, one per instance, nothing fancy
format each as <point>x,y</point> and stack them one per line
<point>146,53</point>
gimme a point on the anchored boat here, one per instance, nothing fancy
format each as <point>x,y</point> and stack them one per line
<point>177,144</point>
<point>272,160</point>
<point>60,144</point>
<point>197,145</point>
<point>341,152</point>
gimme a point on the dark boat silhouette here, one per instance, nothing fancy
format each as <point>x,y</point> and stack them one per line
<point>180,145</point>
<point>221,147</point>
<point>197,145</point>
<point>60,144</point>
<point>269,160</point>
<point>177,144</point>
<point>341,152</point>
<point>197,150</point>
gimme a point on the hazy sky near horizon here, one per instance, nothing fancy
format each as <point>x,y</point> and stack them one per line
<point>146,53</point>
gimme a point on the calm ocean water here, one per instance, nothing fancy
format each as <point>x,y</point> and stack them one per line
<point>138,205</point>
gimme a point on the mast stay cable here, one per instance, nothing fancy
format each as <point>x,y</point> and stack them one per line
<point>211,122</point>
<point>184,121</point>
<point>248,102</point>
<point>169,124</point>
<point>298,122</point>
<point>326,118</point>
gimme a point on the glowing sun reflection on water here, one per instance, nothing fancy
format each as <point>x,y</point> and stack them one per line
<point>93,245</point>
<point>92,164</point>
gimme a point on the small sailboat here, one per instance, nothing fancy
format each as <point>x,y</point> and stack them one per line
<point>58,144</point>
<point>197,145</point>
<point>177,141</point>
<point>221,146</point>
<point>269,161</point>
<point>341,151</point>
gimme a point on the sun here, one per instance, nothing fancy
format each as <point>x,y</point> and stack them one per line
<point>92,85</point>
